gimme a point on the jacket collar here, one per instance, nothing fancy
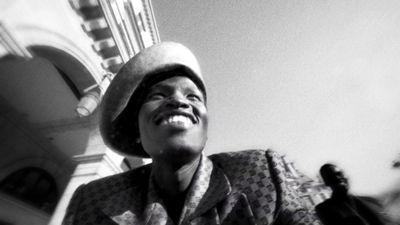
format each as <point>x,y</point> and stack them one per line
<point>139,203</point>
<point>210,186</point>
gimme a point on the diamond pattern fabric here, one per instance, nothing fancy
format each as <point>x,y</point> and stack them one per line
<point>245,187</point>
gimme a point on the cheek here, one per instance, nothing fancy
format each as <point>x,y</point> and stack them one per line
<point>205,121</point>
<point>204,118</point>
<point>144,130</point>
<point>139,126</point>
<point>143,118</point>
<point>204,113</point>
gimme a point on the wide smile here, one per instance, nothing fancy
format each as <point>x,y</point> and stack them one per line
<point>175,119</point>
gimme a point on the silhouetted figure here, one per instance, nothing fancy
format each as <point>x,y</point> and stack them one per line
<point>343,208</point>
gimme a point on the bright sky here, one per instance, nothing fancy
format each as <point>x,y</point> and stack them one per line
<point>317,80</point>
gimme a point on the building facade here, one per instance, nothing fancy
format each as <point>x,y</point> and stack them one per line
<point>57,58</point>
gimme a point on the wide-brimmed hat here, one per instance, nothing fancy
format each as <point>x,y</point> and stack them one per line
<point>124,96</point>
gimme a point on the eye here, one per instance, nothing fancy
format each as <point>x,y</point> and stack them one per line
<point>155,96</point>
<point>194,97</point>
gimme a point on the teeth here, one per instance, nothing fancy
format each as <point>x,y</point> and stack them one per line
<point>177,119</point>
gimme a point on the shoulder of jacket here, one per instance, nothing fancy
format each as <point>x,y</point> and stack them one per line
<point>246,157</point>
<point>239,154</point>
<point>122,180</point>
<point>324,204</point>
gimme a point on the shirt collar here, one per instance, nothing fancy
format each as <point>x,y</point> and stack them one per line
<point>208,187</point>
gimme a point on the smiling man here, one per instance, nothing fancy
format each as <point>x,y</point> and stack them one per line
<point>173,120</point>
<point>156,106</point>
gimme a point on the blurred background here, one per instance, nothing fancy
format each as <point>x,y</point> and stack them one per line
<point>317,81</point>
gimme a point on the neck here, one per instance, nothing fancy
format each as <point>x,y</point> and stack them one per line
<point>340,195</point>
<point>173,180</point>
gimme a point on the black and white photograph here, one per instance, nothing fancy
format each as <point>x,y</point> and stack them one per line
<point>213,112</point>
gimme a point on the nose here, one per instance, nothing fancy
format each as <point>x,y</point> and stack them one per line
<point>177,101</point>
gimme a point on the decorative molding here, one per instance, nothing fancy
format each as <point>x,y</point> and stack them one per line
<point>102,44</point>
<point>78,4</point>
<point>115,13</point>
<point>134,33</point>
<point>116,33</point>
<point>95,25</point>
<point>107,63</point>
<point>151,20</point>
<point>11,44</point>
<point>85,158</point>
<point>36,36</point>
<point>67,124</point>
<point>85,161</point>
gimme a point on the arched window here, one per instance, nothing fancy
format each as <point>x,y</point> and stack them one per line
<point>34,186</point>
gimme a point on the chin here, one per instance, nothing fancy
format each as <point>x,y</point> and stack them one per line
<point>186,149</point>
<point>342,189</point>
<point>182,149</point>
<point>175,147</point>
<point>185,143</point>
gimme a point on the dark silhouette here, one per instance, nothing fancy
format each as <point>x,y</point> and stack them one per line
<point>344,208</point>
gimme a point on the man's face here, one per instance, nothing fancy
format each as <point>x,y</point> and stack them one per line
<point>173,119</point>
<point>335,178</point>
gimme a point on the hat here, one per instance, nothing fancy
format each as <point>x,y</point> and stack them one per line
<point>124,96</point>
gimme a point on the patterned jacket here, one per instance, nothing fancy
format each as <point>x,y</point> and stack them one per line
<point>246,187</point>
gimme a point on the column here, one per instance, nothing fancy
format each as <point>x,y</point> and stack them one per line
<point>98,161</point>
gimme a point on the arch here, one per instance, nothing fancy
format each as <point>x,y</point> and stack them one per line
<point>63,52</point>
<point>75,74</point>
<point>80,48</point>
<point>61,173</point>
<point>34,186</point>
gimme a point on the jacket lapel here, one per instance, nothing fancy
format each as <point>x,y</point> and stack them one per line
<point>127,206</point>
<point>213,187</point>
<point>124,206</point>
<point>140,204</point>
<point>220,204</point>
<point>155,211</point>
